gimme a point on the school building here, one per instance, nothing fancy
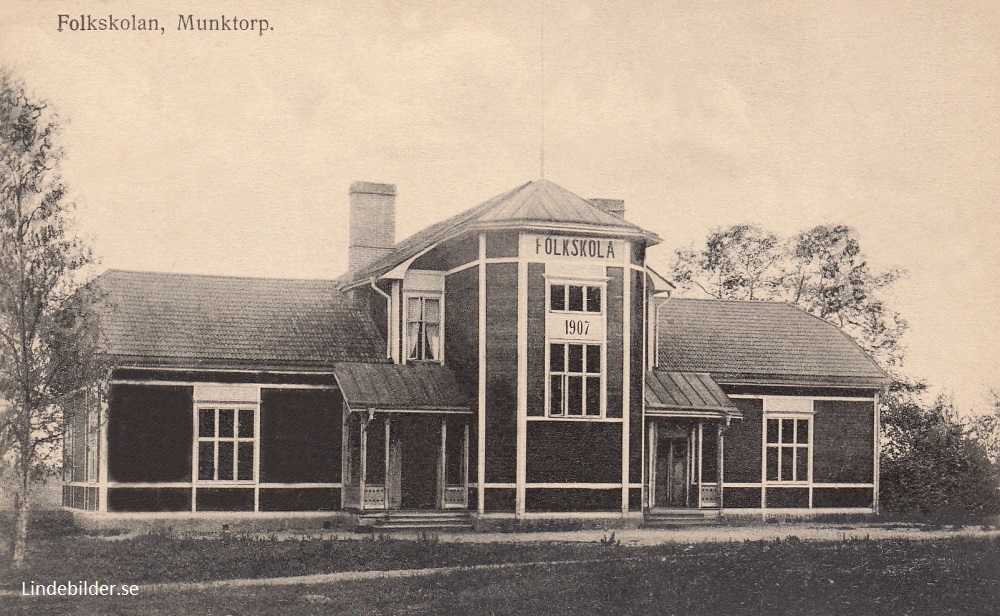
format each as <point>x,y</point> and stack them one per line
<point>519,360</point>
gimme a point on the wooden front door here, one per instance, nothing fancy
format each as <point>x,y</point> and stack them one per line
<point>671,470</point>
<point>420,446</point>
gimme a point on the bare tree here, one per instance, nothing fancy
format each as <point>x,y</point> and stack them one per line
<point>44,335</point>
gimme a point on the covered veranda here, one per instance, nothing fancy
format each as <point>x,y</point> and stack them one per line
<point>405,438</point>
<point>686,416</point>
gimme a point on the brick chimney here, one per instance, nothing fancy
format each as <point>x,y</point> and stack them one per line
<point>373,223</point>
<point>615,207</point>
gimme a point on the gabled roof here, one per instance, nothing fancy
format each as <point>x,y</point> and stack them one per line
<point>539,204</point>
<point>400,387</point>
<point>759,342</point>
<point>151,319</point>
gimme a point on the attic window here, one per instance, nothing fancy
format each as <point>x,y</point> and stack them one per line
<point>423,328</point>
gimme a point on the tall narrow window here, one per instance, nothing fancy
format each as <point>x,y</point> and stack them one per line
<point>787,449</point>
<point>226,444</point>
<point>423,328</point>
<point>574,380</point>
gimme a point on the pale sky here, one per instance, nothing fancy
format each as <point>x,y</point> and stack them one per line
<point>232,153</point>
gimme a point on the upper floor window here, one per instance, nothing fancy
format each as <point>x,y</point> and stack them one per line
<point>575,380</point>
<point>574,298</point>
<point>423,328</point>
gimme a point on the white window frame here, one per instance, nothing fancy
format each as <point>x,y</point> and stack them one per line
<point>423,296</point>
<point>575,283</point>
<point>796,447</point>
<point>553,338</point>
<point>565,374</point>
<point>236,439</point>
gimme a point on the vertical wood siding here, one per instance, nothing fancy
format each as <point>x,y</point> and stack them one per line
<point>501,373</point>
<point>843,441</point>
<point>150,433</point>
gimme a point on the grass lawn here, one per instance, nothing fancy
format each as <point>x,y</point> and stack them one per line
<point>953,576</point>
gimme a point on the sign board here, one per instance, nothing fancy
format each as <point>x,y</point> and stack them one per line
<point>547,247</point>
<point>587,327</point>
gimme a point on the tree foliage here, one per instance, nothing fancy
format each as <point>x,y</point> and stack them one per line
<point>931,463</point>
<point>46,344</point>
<point>984,427</point>
<point>739,262</point>
<point>822,270</point>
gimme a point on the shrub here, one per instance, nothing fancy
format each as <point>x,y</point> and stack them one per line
<point>930,464</point>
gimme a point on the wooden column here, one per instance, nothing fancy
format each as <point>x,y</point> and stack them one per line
<point>385,483</point>
<point>719,460</point>
<point>701,455</point>
<point>442,479</point>
<point>363,473</point>
<point>465,464</point>
<point>689,477</point>
<point>103,412</point>
<point>345,453</point>
<point>651,476</point>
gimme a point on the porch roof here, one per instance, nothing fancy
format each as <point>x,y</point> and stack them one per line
<point>692,394</point>
<point>398,387</point>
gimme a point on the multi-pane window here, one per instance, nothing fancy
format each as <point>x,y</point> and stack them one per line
<point>225,444</point>
<point>787,449</point>
<point>574,380</point>
<point>574,298</point>
<point>423,328</point>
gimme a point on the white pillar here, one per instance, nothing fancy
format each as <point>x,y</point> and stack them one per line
<point>719,461</point>
<point>385,482</point>
<point>701,455</point>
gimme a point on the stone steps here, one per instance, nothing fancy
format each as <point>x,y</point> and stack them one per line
<point>680,517</point>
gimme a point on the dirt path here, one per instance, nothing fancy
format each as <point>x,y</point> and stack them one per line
<point>804,531</point>
<point>344,576</point>
<point>713,534</point>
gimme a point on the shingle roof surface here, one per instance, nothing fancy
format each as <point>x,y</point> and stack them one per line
<point>538,202</point>
<point>737,338</point>
<point>179,319</point>
<point>400,387</point>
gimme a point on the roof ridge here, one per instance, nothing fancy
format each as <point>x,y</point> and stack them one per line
<point>212,276</point>
<point>770,302</point>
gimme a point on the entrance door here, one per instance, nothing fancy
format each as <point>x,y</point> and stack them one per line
<point>420,443</point>
<point>671,485</point>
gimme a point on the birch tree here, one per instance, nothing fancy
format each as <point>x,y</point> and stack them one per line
<point>44,334</point>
